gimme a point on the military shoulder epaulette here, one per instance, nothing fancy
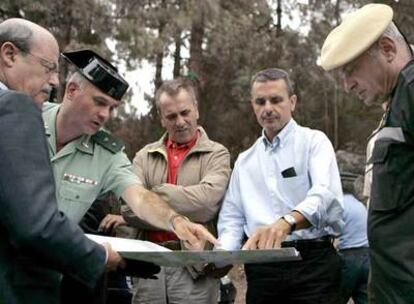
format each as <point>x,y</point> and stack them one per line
<point>108,141</point>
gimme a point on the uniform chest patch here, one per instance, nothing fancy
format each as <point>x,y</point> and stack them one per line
<point>76,179</point>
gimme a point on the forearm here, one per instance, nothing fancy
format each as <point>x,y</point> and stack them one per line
<point>198,202</point>
<point>322,205</point>
<point>134,221</point>
<point>148,206</point>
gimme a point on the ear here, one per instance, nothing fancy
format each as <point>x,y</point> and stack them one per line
<point>196,112</point>
<point>293,100</point>
<point>71,88</point>
<point>388,48</point>
<point>8,52</point>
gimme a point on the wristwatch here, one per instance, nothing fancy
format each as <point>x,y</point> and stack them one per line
<point>290,219</point>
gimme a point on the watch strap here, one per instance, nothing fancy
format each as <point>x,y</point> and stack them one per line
<point>290,219</point>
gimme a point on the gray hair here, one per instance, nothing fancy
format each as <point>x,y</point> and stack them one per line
<point>78,78</point>
<point>273,74</point>
<point>18,34</point>
<point>392,32</point>
<point>173,87</point>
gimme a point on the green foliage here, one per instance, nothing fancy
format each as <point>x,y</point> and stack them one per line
<point>235,39</point>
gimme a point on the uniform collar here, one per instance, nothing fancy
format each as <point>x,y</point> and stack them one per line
<point>83,143</point>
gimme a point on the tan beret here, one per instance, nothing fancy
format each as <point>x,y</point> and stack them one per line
<point>357,32</point>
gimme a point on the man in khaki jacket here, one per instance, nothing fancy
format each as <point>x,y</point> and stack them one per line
<point>190,172</point>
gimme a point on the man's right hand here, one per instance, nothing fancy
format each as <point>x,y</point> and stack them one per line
<point>114,259</point>
<point>194,235</point>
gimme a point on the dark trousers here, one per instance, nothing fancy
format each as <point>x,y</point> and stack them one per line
<point>355,269</point>
<point>112,288</point>
<point>314,280</point>
<point>74,292</point>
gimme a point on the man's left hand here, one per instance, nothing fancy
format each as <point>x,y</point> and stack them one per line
<point>268,237</point>
<point>111,222</point>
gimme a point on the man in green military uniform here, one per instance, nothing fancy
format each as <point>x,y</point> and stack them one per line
<point>88,162</point>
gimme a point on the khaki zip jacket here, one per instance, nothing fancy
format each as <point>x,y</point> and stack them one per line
<point>202,180</point>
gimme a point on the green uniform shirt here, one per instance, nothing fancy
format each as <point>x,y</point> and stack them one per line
<point>85,168</point>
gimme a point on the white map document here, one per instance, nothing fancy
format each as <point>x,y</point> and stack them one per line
<point>150,252</point>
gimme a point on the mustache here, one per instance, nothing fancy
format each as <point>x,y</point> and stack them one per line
<point>270,115</point>
<point>46,90</point>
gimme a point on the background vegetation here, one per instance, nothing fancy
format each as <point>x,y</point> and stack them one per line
<point>219,44</point>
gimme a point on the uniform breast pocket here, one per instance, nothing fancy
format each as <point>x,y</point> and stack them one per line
<point>383,180</point>
<point>295,187</point>
<point>75,199</point>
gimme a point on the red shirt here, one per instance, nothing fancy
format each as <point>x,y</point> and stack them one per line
<point>176,154</point>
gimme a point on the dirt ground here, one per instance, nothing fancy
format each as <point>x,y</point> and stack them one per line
<point>238,278</point>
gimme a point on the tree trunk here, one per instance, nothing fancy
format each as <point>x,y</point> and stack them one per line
<point>279,17</point>
<point>335,117</point>
<point>64,41</point>
<point>159,59</point>
<point>177,55</point>
<point>196,51</point>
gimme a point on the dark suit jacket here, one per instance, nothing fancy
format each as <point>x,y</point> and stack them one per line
<point>36,240</point>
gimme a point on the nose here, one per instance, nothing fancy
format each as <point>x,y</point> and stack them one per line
<point>104,113</point>
<point>54,80</point>
<point>268,106</point>
<point>180,121</point>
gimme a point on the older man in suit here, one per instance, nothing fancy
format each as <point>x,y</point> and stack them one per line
<point>37,241</point>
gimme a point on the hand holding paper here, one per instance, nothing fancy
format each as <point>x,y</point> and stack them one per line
<point>114,259</point>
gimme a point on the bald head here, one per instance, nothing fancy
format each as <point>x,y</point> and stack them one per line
<point>22,33</point>
<point>28,58</point>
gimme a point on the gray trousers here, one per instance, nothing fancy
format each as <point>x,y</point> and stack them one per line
<point>175,285</point>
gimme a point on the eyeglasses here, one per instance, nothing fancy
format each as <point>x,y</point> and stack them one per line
<point>51,67</point>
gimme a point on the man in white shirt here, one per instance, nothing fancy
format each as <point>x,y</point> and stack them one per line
<point>285,191</point>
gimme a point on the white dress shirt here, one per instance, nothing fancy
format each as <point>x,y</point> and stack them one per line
<point>259,194</point>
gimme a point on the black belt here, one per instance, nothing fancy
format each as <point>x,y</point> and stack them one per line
<point>353,250</point>
<point>173,245</point>
<point>322,242</point>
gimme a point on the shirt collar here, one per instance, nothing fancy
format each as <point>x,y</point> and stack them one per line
<point>3,86</point>
<point>281,138</point>
<point>172,145</point>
